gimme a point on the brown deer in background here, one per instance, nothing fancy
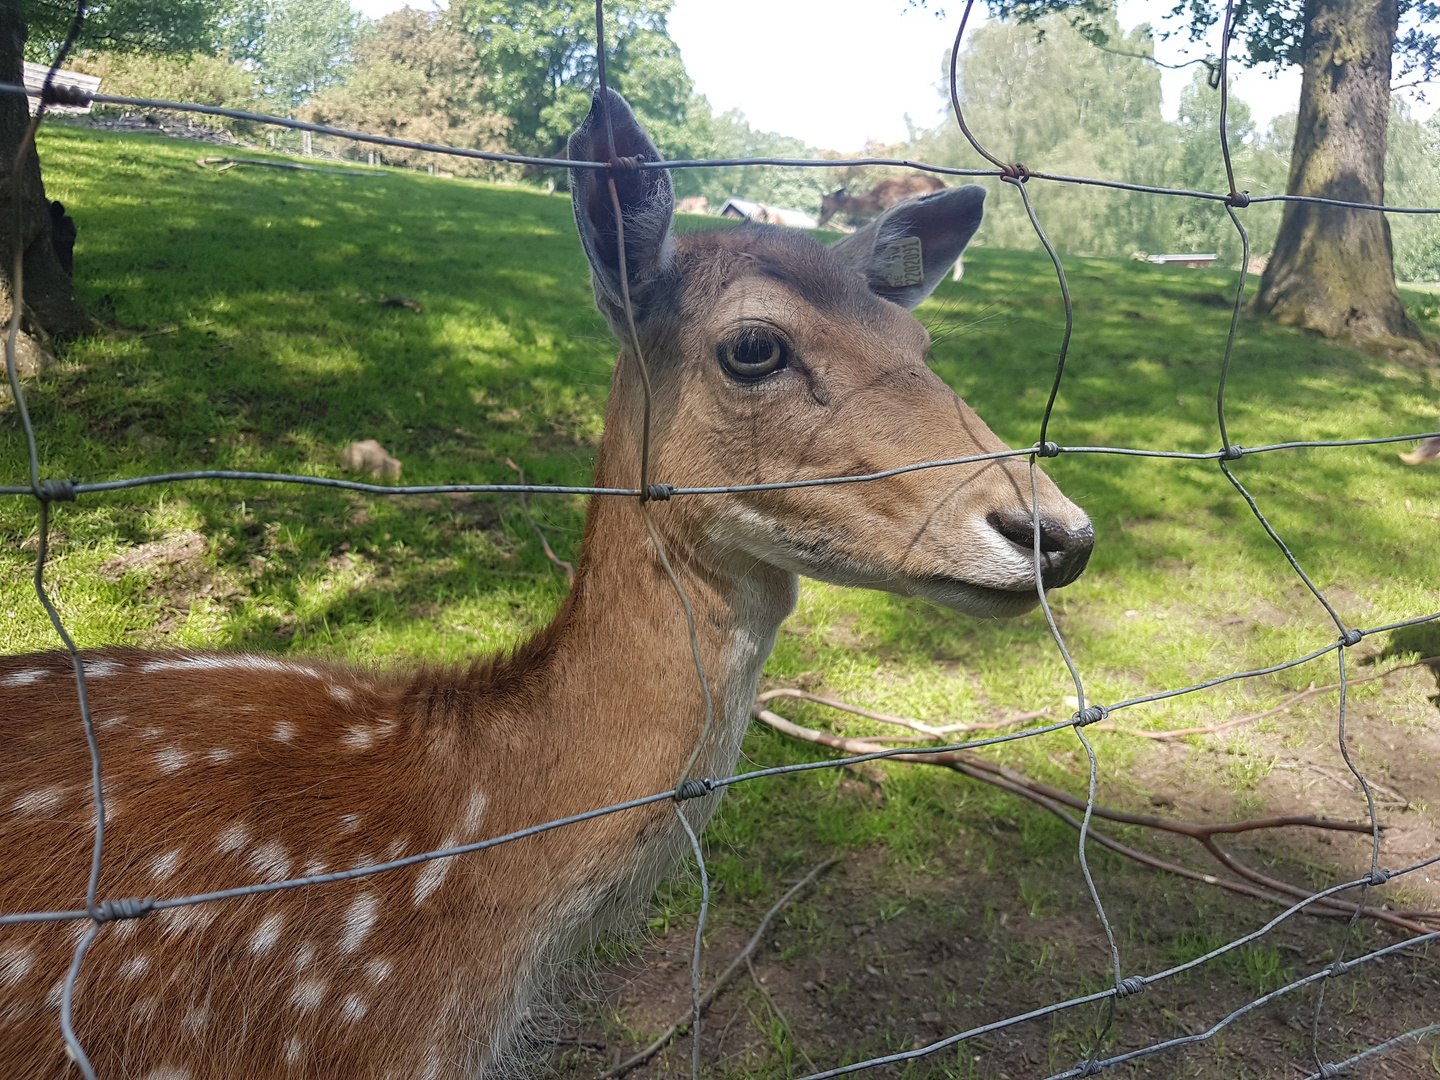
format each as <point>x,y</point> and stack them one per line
<point>772,358</point>
<point>882,196</point>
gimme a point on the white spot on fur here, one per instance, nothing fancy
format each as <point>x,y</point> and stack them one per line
<point>135,966</point>
<point>98,669</point>
<point>233,837</point>
<point>358,738</point>
<point>339,693</point>
<point>309,993</point>
<point>432,1064</point>
<point>432,876</point>
<point>354,1008</point>
<point>360,916</point>
<point>163,866</point>
<point>284,731</point>
<point>113,722</point>
<point>230,663</point>
<point>294,1049</point>
<point>171,759</point>
<point>151,732</point>
<point>53,995</point>
<point>144,1009</point>
<point>15,963</point>
<point>364,862</point>
<point>474,812</point>
<point>266,934</point>
<point>168,1072</point>
<point>378,969</point>
<point>397,848</point>
<point>349,822</point>
<point>305,955</point>
<point>24,678</point>
<point>40,801</point>
<point>191,917</point>
<point>270,861</point>
<point>196,1019</point>
<point>313,868</point>
<point>219,755</point>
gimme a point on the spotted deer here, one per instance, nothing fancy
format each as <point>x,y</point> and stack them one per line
<point>882,196</point>
<point>772,358</point>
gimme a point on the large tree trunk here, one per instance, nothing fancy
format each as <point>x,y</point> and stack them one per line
<point>1333,270</point>
<point>51,308</point>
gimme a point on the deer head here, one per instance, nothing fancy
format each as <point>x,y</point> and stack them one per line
<point>832,204</point>
<point>776,358</point>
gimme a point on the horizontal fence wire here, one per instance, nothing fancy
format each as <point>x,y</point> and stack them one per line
<point>47,491</point>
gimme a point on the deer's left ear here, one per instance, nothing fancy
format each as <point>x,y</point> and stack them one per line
<point>907,250</point>
<point>647,203</point>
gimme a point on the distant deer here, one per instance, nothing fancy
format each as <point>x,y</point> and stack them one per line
<point>772,358</point>
<point>882,196</point>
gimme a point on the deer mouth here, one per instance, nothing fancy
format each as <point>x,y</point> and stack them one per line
<point>982,601</point>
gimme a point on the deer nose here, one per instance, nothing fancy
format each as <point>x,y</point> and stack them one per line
<point>1064,549</point>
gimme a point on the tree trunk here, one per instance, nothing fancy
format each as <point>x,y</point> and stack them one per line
<point>1333,270</point>
<point>51,308</point>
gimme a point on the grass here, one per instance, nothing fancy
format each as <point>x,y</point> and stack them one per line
<point>245,329</point>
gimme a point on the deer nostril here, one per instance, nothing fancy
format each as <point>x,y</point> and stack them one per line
<point>1064,550</point>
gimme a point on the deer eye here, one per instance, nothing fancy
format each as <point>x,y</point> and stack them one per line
<point>753,355</point>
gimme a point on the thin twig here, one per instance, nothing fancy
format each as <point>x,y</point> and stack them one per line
<point>777,1013</point>
<point>902,721</point>
<point>719,984</point>
<point>569,568</point>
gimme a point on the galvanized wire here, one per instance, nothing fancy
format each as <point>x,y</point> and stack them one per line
<point>46,491</point>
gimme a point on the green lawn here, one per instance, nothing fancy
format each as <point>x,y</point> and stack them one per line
<point>245,329</point>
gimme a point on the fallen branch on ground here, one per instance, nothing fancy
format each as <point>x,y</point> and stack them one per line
<point>1284,706</point>
<point>903,721</point>
<point>1055,800</point>
<point>742,960</point>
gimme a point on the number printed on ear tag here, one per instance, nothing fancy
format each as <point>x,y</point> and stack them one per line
<point>901,262</point>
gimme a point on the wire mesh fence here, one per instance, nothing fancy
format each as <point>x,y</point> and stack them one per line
<point>99,911</point>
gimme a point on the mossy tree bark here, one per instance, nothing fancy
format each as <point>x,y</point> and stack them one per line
<point>1333,270</point>
<point>51,308</point>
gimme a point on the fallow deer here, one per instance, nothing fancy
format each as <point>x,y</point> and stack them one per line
<point>772,358</point>
<point>884,195</point>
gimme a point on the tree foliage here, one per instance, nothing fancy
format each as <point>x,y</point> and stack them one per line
<point>419,76</point>
<point>144,26</point>
<point>298,47</point>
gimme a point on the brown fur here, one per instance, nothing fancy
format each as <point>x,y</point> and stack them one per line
<point>889,192</point>
<point>223,770</point>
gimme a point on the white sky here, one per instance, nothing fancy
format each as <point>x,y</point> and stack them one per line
<point>838,72</point>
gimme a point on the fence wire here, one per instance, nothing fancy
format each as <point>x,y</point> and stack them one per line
<point>45,491</point>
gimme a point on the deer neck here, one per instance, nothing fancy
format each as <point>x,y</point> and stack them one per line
<point>620,647</point>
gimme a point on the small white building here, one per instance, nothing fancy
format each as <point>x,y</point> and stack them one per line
<point>35,80</point>
<point>745,210</point>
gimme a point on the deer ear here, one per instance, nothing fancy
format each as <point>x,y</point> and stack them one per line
<point>907,250</point>
<point>647,202</point>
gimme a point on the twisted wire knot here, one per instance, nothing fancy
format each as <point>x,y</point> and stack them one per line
<point>1351,637</point>
<point>1015,172</point>
<point>1088,1067</point>
<point>1339,967</point>
<point>64,94</point>
<point>56,490</point>
<point>1232,451</point>
<point>660,492</point>
<point>1328,1070</point>
<point>1126,987</point>
<point>693,789</point>
<point>1238,199</point>
<point>1089,715</point>
<point>129,907</point>
<point>1379,877</point>
<point>625,164</point>
<point>1047,449</point>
